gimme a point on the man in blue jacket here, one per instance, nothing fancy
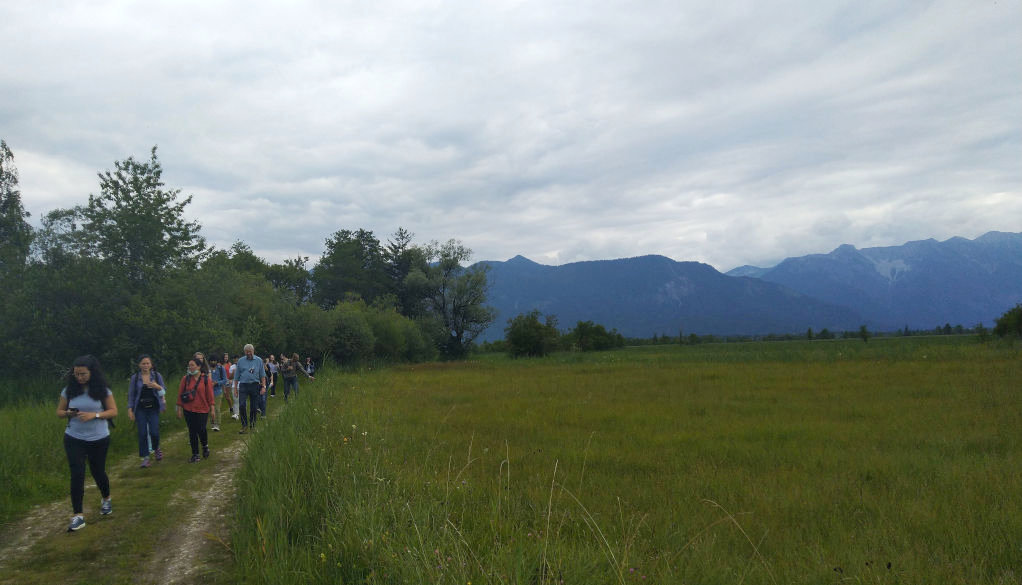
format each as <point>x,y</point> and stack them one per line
<point>251,380</point>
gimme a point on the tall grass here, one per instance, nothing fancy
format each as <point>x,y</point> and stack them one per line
<point>891,462</point>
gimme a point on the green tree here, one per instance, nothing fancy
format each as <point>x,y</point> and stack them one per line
<point>243,259</point>
<point>1010,323</point>
<point>291,278</point>
<point>456,296</point>
<point>15,232</point>
<point>527,336</point>
<point>864,333</point>
<point>401,257</point>
<point>589,336</point>
<point>352,263</point>
<point>138,223</point>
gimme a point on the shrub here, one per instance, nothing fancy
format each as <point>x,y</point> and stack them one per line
<point>526,336</point>
<point>1010,323</point>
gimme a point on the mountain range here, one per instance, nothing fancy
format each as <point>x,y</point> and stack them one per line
<point>921,285</point>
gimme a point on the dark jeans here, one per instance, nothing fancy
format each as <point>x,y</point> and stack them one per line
<point>248,393</point>
<point>77,452</point>
<point>196,422</point>
<point>290,383</point>
<point>148,422</point>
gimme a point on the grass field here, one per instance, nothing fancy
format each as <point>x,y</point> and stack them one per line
<point>893,461</point>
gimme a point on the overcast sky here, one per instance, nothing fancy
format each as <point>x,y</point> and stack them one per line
<point>724,132</point>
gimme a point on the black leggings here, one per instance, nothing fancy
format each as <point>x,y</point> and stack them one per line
<point>77,452</point>
<point>197,429</point>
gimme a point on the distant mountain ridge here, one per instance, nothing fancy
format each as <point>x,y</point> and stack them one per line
<point>920,284</point>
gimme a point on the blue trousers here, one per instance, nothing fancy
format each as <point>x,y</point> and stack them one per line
<point>148,422</point>
<point>248,393</point>
<point>290,383</point>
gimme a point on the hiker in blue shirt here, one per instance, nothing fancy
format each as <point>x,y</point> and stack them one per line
<point>251,380</point>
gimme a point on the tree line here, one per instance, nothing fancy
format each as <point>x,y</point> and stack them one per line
<point>125,273</point>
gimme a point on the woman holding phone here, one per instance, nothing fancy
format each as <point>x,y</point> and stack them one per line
<point>87,403</point>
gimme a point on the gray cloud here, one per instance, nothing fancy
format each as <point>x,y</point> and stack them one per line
<point>564,131</point>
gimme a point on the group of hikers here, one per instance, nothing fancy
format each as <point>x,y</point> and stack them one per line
<point>88,404</point>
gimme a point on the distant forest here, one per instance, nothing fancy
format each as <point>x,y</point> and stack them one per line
<point>125,273</point>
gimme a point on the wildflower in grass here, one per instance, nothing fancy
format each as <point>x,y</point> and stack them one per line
<point>322,557</point>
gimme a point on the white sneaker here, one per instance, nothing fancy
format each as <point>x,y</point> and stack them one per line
<point>235,417</point>
<point>216,427</point>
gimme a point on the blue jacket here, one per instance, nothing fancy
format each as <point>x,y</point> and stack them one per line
<point>135,390</point>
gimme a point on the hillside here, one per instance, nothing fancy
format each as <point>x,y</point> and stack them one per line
<point>920,284</point>
<point>654,295</point>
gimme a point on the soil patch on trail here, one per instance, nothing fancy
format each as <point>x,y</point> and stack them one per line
<point>197,546</point>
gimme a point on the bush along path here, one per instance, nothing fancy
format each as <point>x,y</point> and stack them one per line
<point>171,523</point>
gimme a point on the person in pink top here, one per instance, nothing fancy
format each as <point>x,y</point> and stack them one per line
<point>195,404</point>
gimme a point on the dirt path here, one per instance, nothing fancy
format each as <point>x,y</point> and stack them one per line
<point>189,550</point>
<point>206,528</point>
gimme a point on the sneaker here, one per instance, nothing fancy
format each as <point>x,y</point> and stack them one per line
<point>145,462</point>
<point>194,459</point>
<point>205,452</point>
<point>242,431</point>
<point>216,428</point>
<point>235,417</point>
<point>159,454</point>
<point>77,523</point>
<point>106,507</point>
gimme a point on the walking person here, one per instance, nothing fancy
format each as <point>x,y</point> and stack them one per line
<point>230,365</point>
<point>289,369</point>
<point>271,378</point>
<point>248,374</point>
<point>219,377</point>
<point>310,368</point>
<point>87,403</point>
<point>195,404</point>
<point>146,400</point>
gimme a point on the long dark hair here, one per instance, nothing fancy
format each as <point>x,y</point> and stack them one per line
<point>97,381</point>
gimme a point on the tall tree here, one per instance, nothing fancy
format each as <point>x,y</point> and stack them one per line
<point>352,264</point>
<point>401,257</point>
<point>15,232</point>
<point>457,296</point>
<point>136,222</point>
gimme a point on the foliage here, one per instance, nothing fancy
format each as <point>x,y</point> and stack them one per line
<point>1010,323</point>
<point>352,264</point>
<point>126,274</point>
<point>353,339</point>
<point>137,223</point>
<point>15,232</point>
<point>589,336</point>
<point>456,296</point>
<point>527,336</point>
<point>401,257</point>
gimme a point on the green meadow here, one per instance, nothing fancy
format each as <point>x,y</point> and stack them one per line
<point>892,461</point>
